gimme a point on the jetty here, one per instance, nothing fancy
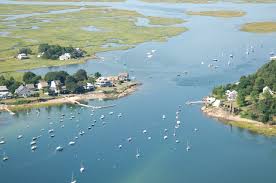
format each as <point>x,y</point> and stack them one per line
<point>88,106</point>
<point>194,102</point>
<point>5,107</point>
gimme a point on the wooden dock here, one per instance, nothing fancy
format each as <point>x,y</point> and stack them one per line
<point>194,102</point>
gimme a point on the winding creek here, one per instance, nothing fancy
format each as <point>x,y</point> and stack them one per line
<point>218,153</point>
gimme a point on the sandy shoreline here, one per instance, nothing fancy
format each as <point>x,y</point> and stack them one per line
<point>73,98</point>
<point>235,120</point>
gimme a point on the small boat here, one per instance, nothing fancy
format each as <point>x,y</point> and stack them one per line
<point>137,154</point>
<point>231,55</point>
<point>163,117</point>
<point>81,133</point>
<point>120,146</point>
<point>33,148</point>
<point>120,115</point>
<point>165,137</point>
<point>59,148</point>
<point>34,138</point>
<point>144,131</point>
<point>177,141</point>
<point>5,157</point>
<point>195,129</point>
<point>73,180</point>
<point>202,63</point>
<point>111,113</point>
<point>149,138</point>
<point>215,60</point>
<point>149,56</point>
<point>188,147</point>
<point>32,142</point>
<point>51,131</point>
<point>82,169</point>
<point>165,130</point>
<point>2,142</point>
<point>129,139</point>
<point>178,122</point>
<point>102,117</point>
<point>52,135</point>
<point>174,132</point>
<point>153,51</point>
<point>71,143</point>
<point>19,136</point>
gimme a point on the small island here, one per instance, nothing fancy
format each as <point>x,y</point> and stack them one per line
<point>249,103</point>
<point>218,13</point>
<point>59,87</point>
<point>259,27</point>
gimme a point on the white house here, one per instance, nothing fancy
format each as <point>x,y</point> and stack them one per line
<point>231,95</point>
<point>65,56</point>
<point>55,86</point>
<point>210,100</point>
<point>267,89</point>
<point>89,86</point>
<point>273,58</point>
<point>4,92</point>
<point>216,103</point>
<point>22,56</point>
<point>42,84</point>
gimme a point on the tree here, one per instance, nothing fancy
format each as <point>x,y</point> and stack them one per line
<point>31,78</point>
<point>80,75</point>
<point>59,75</point>
<point>241,99</point>
<point>25,50</point>
<point>71,84</point>
<point>97,75</point>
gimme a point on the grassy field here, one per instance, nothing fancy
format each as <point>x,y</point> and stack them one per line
<point>117,26</point>
<point>218,13</point>
<point>259,27</point>
<point>164,21</point>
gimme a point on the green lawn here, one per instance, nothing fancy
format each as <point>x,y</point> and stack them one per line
<point>116,26</point>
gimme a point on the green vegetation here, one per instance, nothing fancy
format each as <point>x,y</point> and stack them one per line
<point>259,27</point>
<point>65,30</point>
<point>218,13</point>
<point>10,83</point>
<point>253,101</point>
<point>164,21</point>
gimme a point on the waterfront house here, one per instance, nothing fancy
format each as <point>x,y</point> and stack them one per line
<point>103,82</point>
<point>273,58</point>
<point>210,100</point>
<point>123,76</point>
<point>55,86</point>
<point>216,103</point>
<point>65,56</point>
<point>4,92</point>
<point>23,91</point>
<point>231,95</point>
<point>22,56</point>
<point>31,87</point>
<point>89,86</point>
<point>42,85</point>
<point>267,89</point>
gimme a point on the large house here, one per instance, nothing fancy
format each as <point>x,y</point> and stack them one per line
<point>42,85</point>
<point>4,92</point>
<point>31,87</point>
<point>23,91</point>
<point>103,82</point>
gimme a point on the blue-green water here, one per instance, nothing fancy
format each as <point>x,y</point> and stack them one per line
<point>218,153</point>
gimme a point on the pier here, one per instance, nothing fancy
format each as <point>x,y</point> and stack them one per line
<point>89,106</point>
<point>194,102</point>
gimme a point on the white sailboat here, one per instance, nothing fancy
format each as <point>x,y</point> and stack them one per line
<point>73,180</point>
<point>188,146</point>
<point>82,169</point>
<point>5,157</point>
<point>137,154</point>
